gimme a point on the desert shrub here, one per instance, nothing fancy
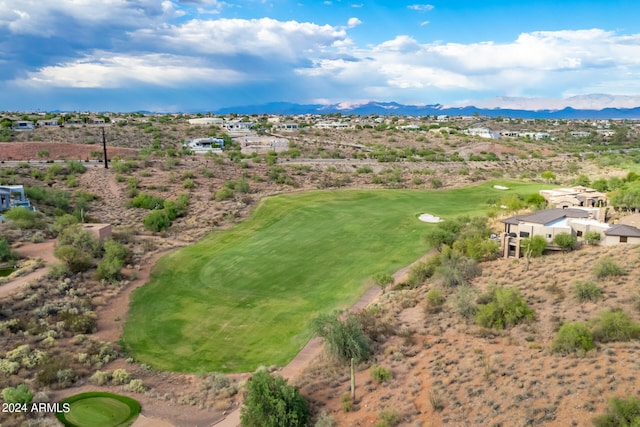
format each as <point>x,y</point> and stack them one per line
<point>573,337</point>
<point>120,376</point>
<point>464,302</point>
<point>76,167</point>
<point>533,246</point>
<point>607,267</point>
<point>136,386</point>
<point>586,291</point>
<point>505,309</point>
<point>380,374</point>
<point>435,299</point>
<point>455,269</point>
<point>18,394</point>
<point>100,378</point>
<point>79,238</point>
<point>79,323</point>
<point>224,193</point>
<point>23,218</point>
<point>389,417</point>
<point>324,420</point>
<point>188,184</point>
<point>49,196</point>
<point>115,255</point>
<point>345,339</point>
<point>592,237</point>
<point>271,402</point>
<point>147,201</point>
<point>566,241</point>
<point>76,260</point>
<point>156,221</point>
<point>422,271</point>
<point>614,325</point>
<point>9,367</point>
<point>65,377</point>
<point>620,413</point>
<point>6,254</point>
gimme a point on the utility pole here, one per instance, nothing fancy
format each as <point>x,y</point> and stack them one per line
<point>104,149</point>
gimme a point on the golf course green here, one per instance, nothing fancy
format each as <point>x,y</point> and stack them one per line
<point>99,409</point>
<point>243,297</point>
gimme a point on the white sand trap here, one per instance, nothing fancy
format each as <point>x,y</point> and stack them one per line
<point>500,187</point>
<point>425,217</point>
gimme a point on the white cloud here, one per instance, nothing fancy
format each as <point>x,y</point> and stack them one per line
<point>353,22</point>
<point>536,62</point>
<point>46,18</point>
<point>421,7</point>
<point>264,37</point>
<point>104,70</point>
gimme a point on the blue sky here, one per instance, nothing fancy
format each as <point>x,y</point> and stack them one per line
<point>200,55</point>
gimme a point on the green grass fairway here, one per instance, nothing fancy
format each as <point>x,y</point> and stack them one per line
<point>243,297</point>
<point>98,409</point>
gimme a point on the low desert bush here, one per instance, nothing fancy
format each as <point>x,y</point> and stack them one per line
<point>100,378</point>
<point>380,374</point>
<point>614,325</point>
<point>620,412</point>
<point>121,376</point>
<point>136,386</point>
<point>389,417</point>
<point>506,308</point>
<point>434,301</point>
<point>463,302</point>
<point>607,267</point>
<point>573,337</point>
<point>586,291</point>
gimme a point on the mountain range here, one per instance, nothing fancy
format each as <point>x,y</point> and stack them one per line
<point>594,106</point>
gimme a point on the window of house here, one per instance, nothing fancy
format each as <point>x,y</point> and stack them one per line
<point>579,233</point>
<point>623,239</point>
<point>549,236</point>
<point>524,234</point>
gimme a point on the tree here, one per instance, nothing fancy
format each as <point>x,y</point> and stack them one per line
<point>592,237</point>
<point>439,237</point>
<point>566,241</point>
<point>345,339</point>
<point>74,258</point>
<point>6,254</point>
<point>383,280</point>
<point>271,402</point>
<point>548,175</point>
<point>534,246</point>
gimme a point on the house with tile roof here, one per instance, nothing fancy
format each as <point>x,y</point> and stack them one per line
<point>549,223</point>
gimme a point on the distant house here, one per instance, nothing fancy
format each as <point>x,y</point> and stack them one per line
<point>288,126</point>
<point>48,123</point>
<point>23,126</point>
<point>205,145</point>
<point>206,121</point>
<point>237,125</point>
<point>482,133</point>
<point>577,196</point>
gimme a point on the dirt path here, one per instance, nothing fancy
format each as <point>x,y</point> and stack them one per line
<point>111,316</point>
<point>44,251</point>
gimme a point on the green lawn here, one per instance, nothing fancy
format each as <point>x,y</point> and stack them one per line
<point>99,409</point>
<point>243,297</point>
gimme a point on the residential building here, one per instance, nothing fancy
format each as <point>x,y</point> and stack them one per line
<point>205,145</point>
<point>206,121</point>
<point>23,126</point>
<point>578,196</point>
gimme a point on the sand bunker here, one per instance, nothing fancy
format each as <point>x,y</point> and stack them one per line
<point>500,187</point>
<point>425,217</point>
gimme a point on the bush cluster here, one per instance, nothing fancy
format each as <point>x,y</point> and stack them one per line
<point>505,308</point>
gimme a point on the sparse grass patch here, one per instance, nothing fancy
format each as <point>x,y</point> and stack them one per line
<point>614,325</point>
<point>586,291</point>
<point>607,267</point>
<point>434,301</point>
<point>380,374</point>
